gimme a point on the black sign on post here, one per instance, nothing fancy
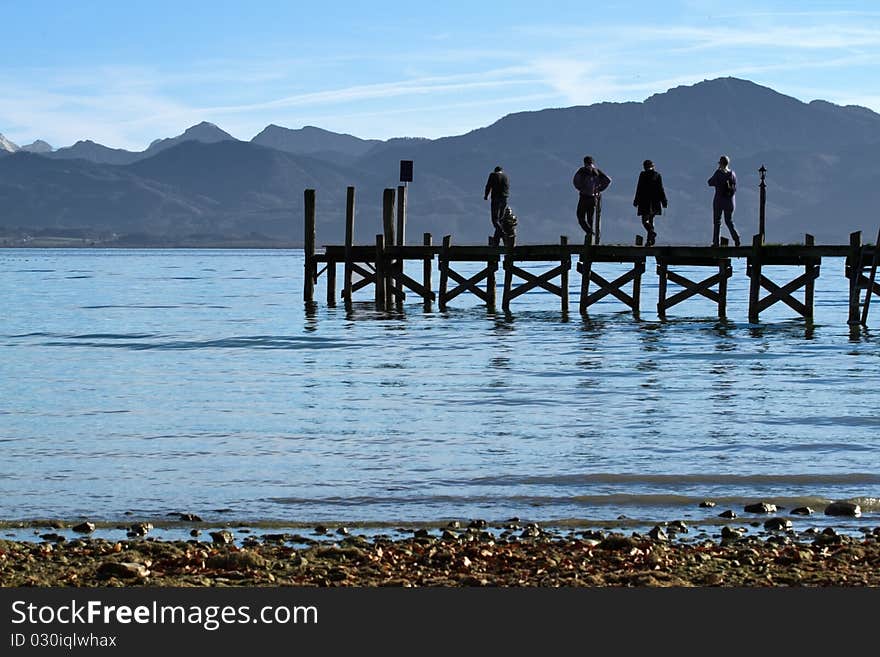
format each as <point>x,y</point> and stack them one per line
<point>406,170</point>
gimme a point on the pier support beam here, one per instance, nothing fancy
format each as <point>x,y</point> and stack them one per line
<point>464,284</point>
<point>311,266</point>
<point>693,288</point>
<point>591,254</point>
<point>533,281</point>
<point>759,259</point>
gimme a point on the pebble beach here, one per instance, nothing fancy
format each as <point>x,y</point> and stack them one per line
<point>756,552</point>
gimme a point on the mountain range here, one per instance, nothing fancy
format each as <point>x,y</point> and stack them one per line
<point>206,187</point>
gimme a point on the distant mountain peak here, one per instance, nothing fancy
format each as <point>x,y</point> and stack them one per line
<point>38,146</point>
<point>6,145</point>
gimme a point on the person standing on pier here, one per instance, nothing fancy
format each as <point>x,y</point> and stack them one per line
<point>650,199</point>
<point>590,181</point>
<point>498,185</point>
<point>724,182</point>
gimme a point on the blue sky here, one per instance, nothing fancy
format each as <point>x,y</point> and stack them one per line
<point>126,72</point>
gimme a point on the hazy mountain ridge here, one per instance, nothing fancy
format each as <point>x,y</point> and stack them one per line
<point>820,160</point>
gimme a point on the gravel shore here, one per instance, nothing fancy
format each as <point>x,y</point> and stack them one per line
<point>455,556</point>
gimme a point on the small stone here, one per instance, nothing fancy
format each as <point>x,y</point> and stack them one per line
<point>140,529</point>
<point>802,511</point>
<point>222,537</point>
<point>85,528</point>
<point>658,534</point>
<point>122,570</point>
<point>453,524</point>
<point>421,533</point>
<point>478,524</point>
<point>616,542</point>
<point>678,527</point>
<point>760,507</point>
<point>55,538</point>
<point>343,531</point>
<point>514,519</point>
<point>449,536</point>
<point>707,504</point>
<point>195,532</point>
<point>531,531</point>
<point>729,533</point>
<point>190,517</point>
<point>843,509</point>
<point>320,529</point>
<point>727,514</point>
<point>777,524</point>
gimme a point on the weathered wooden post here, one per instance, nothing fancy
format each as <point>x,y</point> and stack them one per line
<point>565,265</point>
<point>309,247</point>
<point>725,270</point>
<point>444,270</point>
<point>331,283</point>
<point>380,271</point>
<point>753,270</point>
<point>388,226</point>
<point>854,272</point>
<point>585,265</point>
<point>490,280</point>
<point>508,277</point>
<point>426,270</point>
<point>763,204</point>
<point>349,237</point>
<point>401,239</point>
<point>810,269</point>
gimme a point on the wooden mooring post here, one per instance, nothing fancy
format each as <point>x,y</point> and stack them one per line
<point>310,274</point>
<point>762,256</point>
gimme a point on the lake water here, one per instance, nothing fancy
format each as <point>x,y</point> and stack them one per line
<point>151,381</point>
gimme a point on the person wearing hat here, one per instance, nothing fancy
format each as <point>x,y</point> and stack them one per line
<point>724,182</point>
<point>650,199</point>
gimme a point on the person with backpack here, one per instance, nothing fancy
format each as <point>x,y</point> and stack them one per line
<point>590,181</point>
<point>498,185</point>
<point>650,198</point>
<point>724,182</point>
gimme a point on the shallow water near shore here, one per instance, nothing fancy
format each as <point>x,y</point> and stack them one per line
<point>142,382</point>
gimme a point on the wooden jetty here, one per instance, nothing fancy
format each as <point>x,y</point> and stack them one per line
<point>380,265</point>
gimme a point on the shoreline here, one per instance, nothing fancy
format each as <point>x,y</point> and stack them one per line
<point>751,552</point>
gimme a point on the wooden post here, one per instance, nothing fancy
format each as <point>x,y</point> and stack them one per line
<point>426,270</point>
<point>444,270</point>
<point>380,271</point>
<point>490,280</point>
<point>724,272</point>
<point>331,283</point>
<point>388,226</point>
<point>586,264</point>
<point>309,247</point>
<point>854,271</point>
<point>662,272</point>
<point>565,263</point>
<point>508,278</point>
<point>349,238</point>
<point>401,239</point>
<point>754,272</point>
<point>810,283</point>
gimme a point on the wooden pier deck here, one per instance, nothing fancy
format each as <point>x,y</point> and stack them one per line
<point>381,266</point>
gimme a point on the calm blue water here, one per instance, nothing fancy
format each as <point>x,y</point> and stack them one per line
<point>152,381</point>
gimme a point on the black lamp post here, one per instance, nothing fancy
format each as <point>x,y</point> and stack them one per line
<point>763,203</point>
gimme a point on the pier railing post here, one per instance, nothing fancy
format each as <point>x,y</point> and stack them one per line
<point>309,246</point>
<point>349,238</point>
<point>585,265</point>
<point>762,204</point>
<point>401,239</point>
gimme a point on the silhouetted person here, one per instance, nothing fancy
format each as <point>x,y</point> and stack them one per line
<point>498,185</point>
<point>590,181</point>
<point>650,199</point>
<point>724,182</point>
